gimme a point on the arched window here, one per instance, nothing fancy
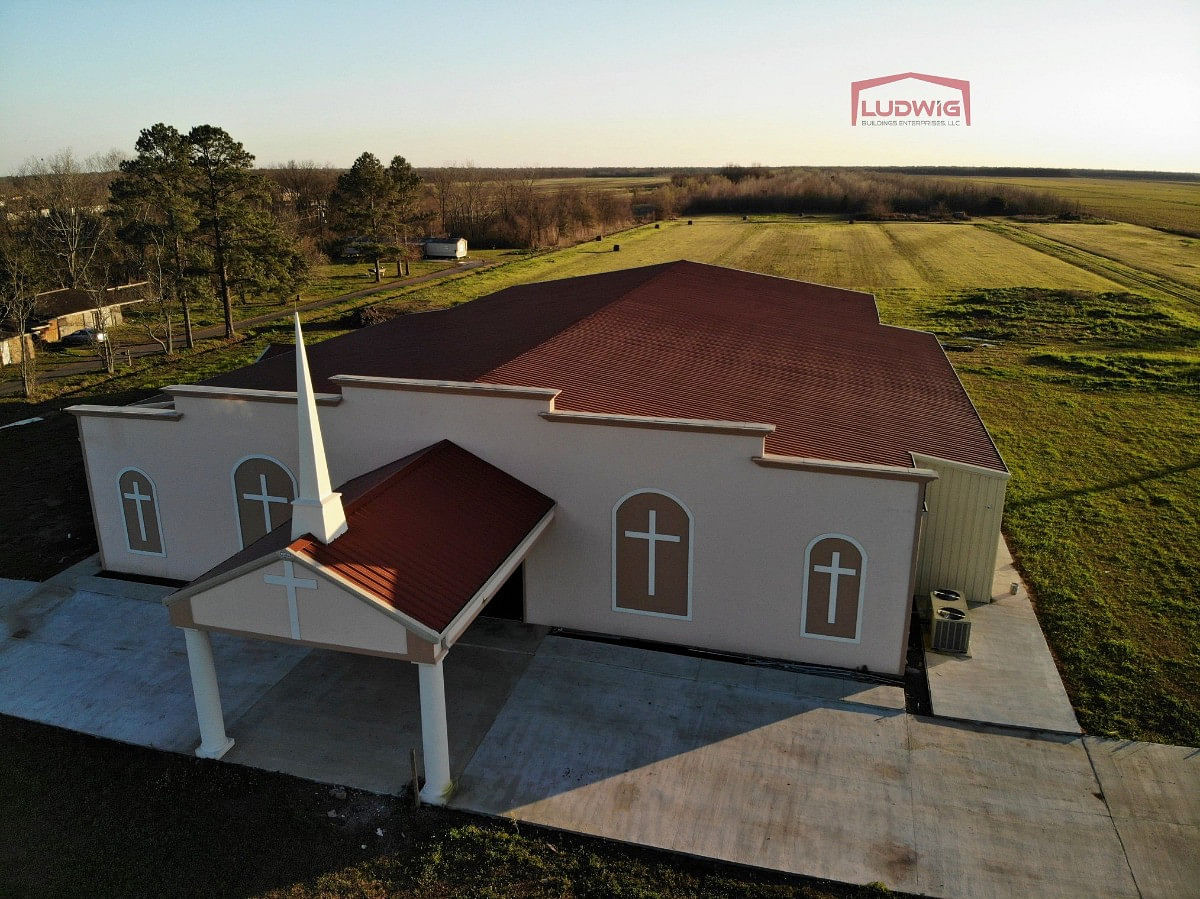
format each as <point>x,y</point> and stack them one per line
<point>652,555</point>
<point>835,580</point>
<point>139,506</point>
<point>263,491</point>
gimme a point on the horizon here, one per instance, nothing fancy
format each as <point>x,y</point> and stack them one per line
<point>543,86</point>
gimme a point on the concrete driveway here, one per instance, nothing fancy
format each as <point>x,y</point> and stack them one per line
<point>819,775</point>
<point>828,778</point>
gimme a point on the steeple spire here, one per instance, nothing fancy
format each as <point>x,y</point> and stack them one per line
<point>316,510</point>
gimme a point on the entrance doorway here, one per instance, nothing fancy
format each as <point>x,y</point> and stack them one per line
<point>509,601</point>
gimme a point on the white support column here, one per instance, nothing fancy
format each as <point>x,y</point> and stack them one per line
<point>435,740</point>
<point>213,741</point>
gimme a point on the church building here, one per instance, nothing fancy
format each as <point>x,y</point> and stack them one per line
<point>681,453</point>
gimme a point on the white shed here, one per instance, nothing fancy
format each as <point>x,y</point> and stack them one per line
<point>446,248</point>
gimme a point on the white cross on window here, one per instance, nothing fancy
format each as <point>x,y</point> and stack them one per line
<point>834,570</point>
<point>652,539</point>
<point>138,498</point>
<point>266,499</point>
<point>291,582</point>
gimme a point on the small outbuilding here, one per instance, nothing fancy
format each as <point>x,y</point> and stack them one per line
<point>67,310</point>
<point>10,348</point>
<point>445,248</point>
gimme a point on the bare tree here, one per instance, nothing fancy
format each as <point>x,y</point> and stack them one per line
<point>161,282</point>
<point>100,285</point>
<point>19,301</point>
<point>65,205</point>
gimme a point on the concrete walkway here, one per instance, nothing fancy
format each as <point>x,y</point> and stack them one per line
<point>774,771</point>
<point>1010,677</point>
<point>824,776</point>
<point>12,591</point>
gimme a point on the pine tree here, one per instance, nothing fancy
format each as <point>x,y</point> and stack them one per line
<point>225,193</point>
<point>154,204</point>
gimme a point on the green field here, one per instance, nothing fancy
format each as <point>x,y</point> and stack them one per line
<point>1167,255</point>
<point>913,257</point>
<point>1171,205</point>
<point>617,182</point>
<point>1090,389</point>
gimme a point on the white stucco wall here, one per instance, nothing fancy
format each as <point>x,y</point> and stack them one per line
<point>326,614</point>
<point>751,523</point>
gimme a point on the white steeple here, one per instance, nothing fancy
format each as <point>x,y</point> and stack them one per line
<point>316,510</point>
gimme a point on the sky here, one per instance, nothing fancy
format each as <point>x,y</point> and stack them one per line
<point>650,83</point>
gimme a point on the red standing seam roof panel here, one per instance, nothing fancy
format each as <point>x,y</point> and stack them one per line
<point>700,341</point>
<point>686,340</point>
<point>426,533</point>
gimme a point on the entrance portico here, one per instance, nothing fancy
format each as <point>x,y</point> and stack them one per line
<point>373,590</point>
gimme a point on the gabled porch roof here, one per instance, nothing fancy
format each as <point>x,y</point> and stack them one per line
<point>430,539</point>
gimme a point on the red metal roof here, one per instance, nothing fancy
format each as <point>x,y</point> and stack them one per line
<point>686,340</point>
<point>425,533</point>
<point>705,342</point>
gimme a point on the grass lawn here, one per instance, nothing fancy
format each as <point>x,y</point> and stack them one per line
<point>617,182</point>
<point>84,816</point>
<point>1171,205</point>
<point>325,281</point>
<point>1091,392</point>
<point>1167,255</point>
<point>913,256</point>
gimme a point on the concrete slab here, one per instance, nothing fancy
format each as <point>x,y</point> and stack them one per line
<point>352,719</point>
<point>22,612</point>
<point>12,590</point>
<point>1153,793</point>
<point>710,763</point>
<point>1010,677</point>
<point>792,770</point>
<point>692,757</point>
<point>116,668</point>
<point>110,586</point>
<point>1003,813</point>
<point>836,686</point>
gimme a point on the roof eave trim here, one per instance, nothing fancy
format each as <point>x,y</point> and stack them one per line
<point>452,631</point>
<point>129,412</point>
<point>247,394</point>
<point>702,425</point>
<point>422,385</point>
<point>853,469</point>
<point>1002,474</point>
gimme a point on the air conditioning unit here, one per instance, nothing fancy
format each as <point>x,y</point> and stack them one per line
<point>950,626</point>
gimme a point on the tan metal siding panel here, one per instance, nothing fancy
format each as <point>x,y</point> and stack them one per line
<point>966,506</point>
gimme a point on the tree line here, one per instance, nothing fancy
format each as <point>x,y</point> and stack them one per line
<point>191,215</point>
<point>858,193</point>
<point>187,213</point>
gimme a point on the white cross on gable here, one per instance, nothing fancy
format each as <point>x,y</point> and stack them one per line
<point>138,498</point>
<point>834,570</point>
<point>266,499</point>
<point>291,582</point>
<point>652,538</point>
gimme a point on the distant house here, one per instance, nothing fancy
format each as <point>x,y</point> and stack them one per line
<point>10,348</point>
<point>65,311</point>
<point>445,248</point>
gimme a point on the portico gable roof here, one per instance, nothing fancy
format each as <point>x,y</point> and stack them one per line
<point>430,539</point>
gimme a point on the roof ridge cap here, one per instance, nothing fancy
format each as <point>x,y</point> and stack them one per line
<point>417,459</point>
